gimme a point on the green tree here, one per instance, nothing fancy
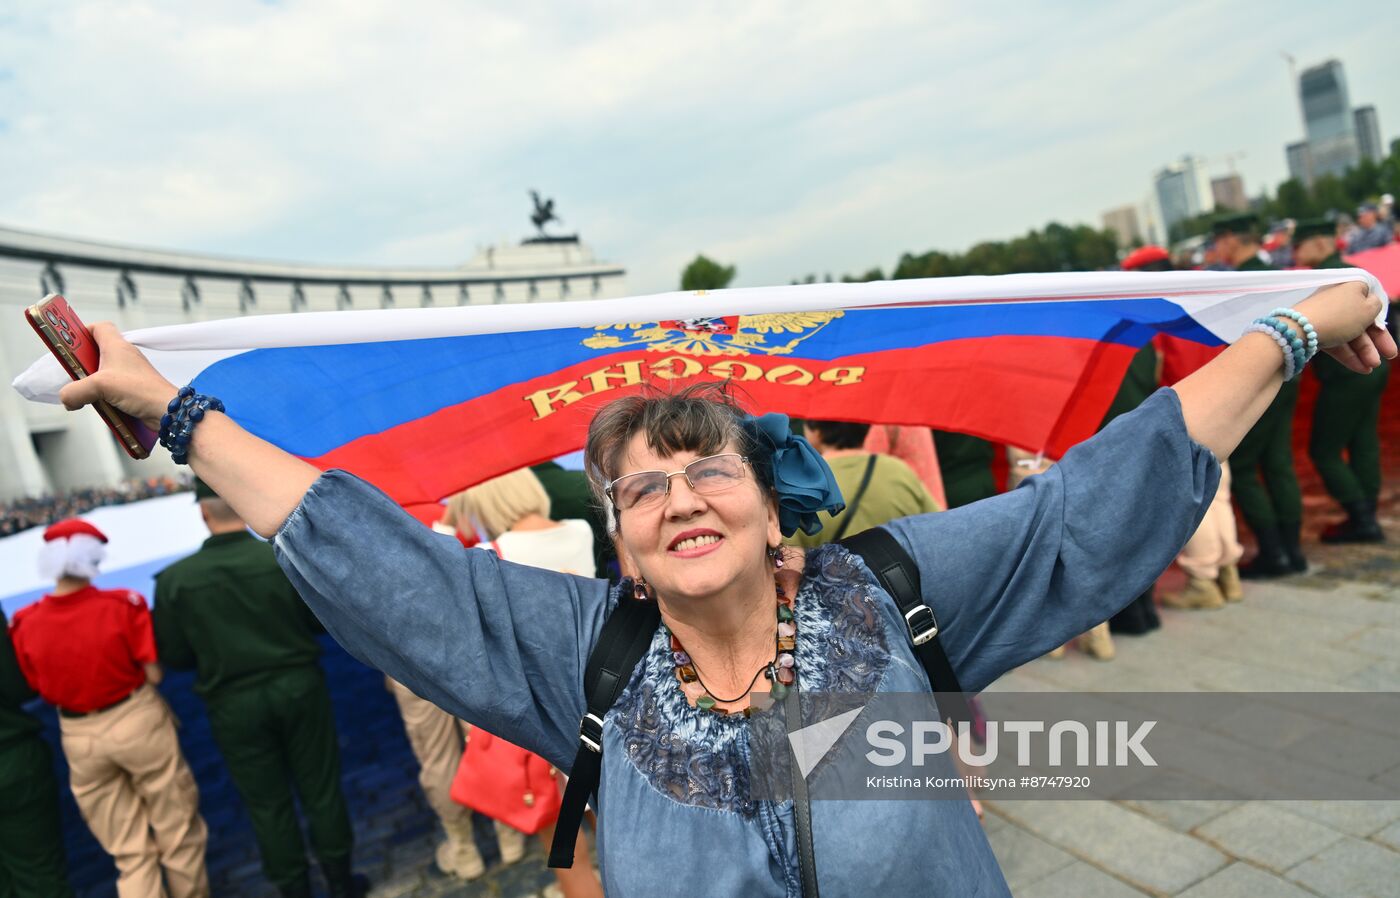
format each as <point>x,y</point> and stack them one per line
<point>1330,195</point>
<point>704,273</point>
<point>1294,201</point>
<point>1363,182</point>
<point>1388,172</point>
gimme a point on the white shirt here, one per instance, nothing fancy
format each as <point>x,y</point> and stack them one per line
<point>567,548</point>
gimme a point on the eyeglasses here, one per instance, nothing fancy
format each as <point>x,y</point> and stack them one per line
<point>647,489</point>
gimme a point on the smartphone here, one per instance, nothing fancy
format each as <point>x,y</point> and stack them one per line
<point>64,333</point>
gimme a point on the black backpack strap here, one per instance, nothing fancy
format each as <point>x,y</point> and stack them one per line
<point>624,639</point>
<point>850,513</point>
<point>899,575</point>
<point>801,804</point>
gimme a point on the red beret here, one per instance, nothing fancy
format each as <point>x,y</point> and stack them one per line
<point>71,527</point>
<point>1144,256</point>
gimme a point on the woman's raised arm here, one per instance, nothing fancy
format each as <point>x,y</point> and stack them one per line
<point>1223,400</point>
<point>263,483</point>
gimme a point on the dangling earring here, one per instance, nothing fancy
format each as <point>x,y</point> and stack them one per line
<point>641,590</point>
<point>776,554</point>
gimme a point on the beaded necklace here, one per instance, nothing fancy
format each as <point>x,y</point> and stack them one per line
<point>782,670</point>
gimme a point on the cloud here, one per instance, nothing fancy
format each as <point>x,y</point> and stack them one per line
<point>791,138</point>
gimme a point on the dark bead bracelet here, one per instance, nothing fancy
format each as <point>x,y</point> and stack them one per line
<point>177,424</point>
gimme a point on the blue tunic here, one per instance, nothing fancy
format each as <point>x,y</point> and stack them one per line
<point>504,646</point>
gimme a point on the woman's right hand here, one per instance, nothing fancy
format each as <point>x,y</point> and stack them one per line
<point>1344,317</point>
<point>125,379</point>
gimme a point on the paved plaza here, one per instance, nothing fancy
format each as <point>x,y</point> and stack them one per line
<point>1316,633</point>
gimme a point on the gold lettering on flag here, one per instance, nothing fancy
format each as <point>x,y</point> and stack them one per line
<point>631,373</point>
<point>684,340</point>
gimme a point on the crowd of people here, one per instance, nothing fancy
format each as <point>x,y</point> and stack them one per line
<point>666,512</point>
<point>1374,225</point>
<point>18,515</point>
<point>229,613</point>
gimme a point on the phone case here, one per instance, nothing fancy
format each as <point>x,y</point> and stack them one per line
<point>64,333</point>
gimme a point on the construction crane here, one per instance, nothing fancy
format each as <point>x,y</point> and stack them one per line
<point>1228,159</point>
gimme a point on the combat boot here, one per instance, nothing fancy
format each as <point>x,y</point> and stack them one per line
<point>1372,506</point>
<point>1359,527</point>
<point>1139,617</point>
<point>342,882</point>
<point>1229,583</point>
<point>1290,534</point>
<point>1198,593</point>
<point>1272,560</point>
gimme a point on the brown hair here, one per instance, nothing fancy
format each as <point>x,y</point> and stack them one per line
<point>701,418</point>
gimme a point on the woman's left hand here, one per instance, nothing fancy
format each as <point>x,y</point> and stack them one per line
<point>1344,317</point>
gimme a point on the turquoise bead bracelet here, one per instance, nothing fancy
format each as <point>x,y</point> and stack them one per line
<point>1309,331</point>
<point>1290,363</point>
<point>1300,352</point>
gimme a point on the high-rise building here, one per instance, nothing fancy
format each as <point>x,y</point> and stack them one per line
<point>1183,191</point>
<point>1228,193</point>
<point>1368,133</point>
<point>1328,117</point>
<point>1123,222</point>
<point>1300,162</point>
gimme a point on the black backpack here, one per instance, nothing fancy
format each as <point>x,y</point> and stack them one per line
<point>628,632</point>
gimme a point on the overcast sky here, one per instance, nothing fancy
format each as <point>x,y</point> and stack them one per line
<point>784,138</point>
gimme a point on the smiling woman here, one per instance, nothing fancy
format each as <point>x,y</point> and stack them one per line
<point>702,493</point>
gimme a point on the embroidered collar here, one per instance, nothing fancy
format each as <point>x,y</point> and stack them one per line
<point>700,758</point>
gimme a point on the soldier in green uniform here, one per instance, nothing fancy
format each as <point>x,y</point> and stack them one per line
<point>1263,479</point>
<point>1237,242</point>
<point>965,463</point>
<point>1346,416</point>
<point>230,613</point>
<point>31,840</point>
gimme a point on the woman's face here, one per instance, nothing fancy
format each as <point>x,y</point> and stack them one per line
<point>692,545</point>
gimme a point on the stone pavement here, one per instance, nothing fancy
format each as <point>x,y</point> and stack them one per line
<point>1338,628</point>
<point>1335,629</point>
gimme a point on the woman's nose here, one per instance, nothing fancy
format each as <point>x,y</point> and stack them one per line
<point>682,501</point>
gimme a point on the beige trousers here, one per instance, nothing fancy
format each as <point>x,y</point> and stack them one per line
<point>438,739</point>
<point>138,796</point>
<point>1216,542</point>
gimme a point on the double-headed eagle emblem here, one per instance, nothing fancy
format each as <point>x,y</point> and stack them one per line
<point>729,336</point>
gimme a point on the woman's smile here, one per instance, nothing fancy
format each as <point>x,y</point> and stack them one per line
<point>694,543</point>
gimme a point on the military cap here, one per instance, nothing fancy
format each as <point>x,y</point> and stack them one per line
<point>1238,223</point>
<point>1368,207</point>
<point>202,490</point>
<point>1313,227</point>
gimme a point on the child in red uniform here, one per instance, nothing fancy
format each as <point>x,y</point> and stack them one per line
<point>92,654</point>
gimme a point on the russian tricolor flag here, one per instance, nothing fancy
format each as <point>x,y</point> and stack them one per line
<point>425,402</point>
